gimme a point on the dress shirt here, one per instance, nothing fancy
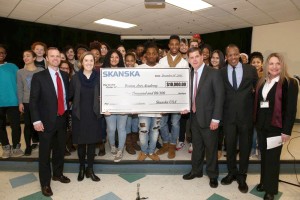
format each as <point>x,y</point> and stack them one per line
<point>199,72</point>
<point>267,87</point>
<point>53,77</point>
<point>238,72</point>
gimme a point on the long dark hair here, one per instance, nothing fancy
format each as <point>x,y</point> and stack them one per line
<point>221,58</point>
<point>106,63</point>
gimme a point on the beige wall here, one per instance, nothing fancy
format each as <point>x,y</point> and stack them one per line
<point>283,38</point>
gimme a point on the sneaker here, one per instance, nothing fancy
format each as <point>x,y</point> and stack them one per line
<point>179,146</point>
<point>17,152</point>
<point>6,151</point>
<point>35,146</point>
<point>113,150</point>
<point>154,157</point>
<point>191,148</point>
<point>119,156</point>
<point>142,156</point>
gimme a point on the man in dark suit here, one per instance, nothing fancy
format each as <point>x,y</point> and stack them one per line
<point>48,103</point>
<point>239,82</point>
<point>207,106</point>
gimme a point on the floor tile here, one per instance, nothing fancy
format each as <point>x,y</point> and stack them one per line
<point>132,177</point>
<point>35,196</point>
<point>22,180</point>
<point>216,197</point>
<point>108,196</point>
<point>261,194</point>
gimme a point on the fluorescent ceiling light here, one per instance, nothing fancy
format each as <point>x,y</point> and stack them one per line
<point>191,5</point>
<point>114,23</point>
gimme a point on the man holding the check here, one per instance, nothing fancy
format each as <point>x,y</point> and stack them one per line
<point>169,138</point>
<point>206,112</point>
<point>149,124</point>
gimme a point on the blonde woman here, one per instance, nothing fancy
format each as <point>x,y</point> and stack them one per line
<point>274,113</point>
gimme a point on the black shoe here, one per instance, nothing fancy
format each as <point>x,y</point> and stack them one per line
<point>81,173</point>
<point>34,146</point>
<point>243,187</point>
<point>260,187</point>
<point>46,190</point>
<point>27,151</point>
<point>62,179</point>
<point>90,174</point>
<point>228,179</point>
<point>268,196</point>
<point>191,176</point>
<point>213,182</point>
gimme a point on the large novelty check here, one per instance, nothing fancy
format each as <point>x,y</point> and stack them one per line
<point>144,90</point>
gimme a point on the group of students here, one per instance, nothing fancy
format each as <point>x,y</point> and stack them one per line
<point>226,98</point>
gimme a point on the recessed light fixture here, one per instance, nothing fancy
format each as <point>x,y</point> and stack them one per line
<point>114,23</point>
<point>190,5</point>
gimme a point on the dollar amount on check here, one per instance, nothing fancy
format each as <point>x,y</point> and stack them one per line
<point>144,90</point>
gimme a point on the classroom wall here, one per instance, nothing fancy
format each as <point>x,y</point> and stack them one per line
<point>283,38</point>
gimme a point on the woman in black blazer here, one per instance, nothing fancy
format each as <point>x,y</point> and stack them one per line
<point>274,113</point>
<point>84,92</point>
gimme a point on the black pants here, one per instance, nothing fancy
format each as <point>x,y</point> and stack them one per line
<point>270,162</point>
<point>244,133</point>
<point>205,142</point>
<point>220,137</point>
<point>29,132</point>
<point>54,141</point>
<point>13,115</point>
<point>86,150</point>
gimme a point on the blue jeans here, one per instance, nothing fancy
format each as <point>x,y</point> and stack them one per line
<point>116,122</point>
<point>148,133</point>
<point>103,128</point>
<point>166,135</point>
<point>132,124</point>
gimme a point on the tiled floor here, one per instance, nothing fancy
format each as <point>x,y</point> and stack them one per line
<point>19,180</point>
<point>24,185</point>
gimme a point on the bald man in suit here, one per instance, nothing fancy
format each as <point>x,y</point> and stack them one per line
<point>239,82</point>
<point>48,106</point>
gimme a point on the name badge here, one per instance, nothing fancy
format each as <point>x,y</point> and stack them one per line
<point>264,104</point>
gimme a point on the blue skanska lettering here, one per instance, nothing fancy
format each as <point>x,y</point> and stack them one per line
<point>113,73</point>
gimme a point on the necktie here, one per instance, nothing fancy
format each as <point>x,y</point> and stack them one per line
<point>195,92</point>
<point>234,82</point>
<point>60,96</point>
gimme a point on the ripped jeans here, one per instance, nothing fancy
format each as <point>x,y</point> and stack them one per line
<point>148,132</point>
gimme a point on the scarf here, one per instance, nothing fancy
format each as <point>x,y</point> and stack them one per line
<point>277,112</point>
<point>91,82</point>
<point>173,63</point>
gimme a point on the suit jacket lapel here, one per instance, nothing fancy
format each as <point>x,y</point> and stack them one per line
<point>202,78</point>
<point>51,84</point>
<point>227,78</point>
<point>243,78</point>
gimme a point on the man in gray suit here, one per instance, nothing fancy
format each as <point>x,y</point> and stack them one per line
<point>207,106</point>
